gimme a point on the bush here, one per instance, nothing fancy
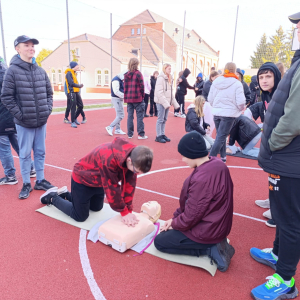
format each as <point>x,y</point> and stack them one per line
<point>247,79</point>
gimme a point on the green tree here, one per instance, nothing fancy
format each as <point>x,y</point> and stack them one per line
<point>278,46</point>
<point>247,78</point>
<point>74,57</point>
<point>261,54</point>
<point>42,55</point>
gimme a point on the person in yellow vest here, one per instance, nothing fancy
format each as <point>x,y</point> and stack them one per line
<point>74,98</point>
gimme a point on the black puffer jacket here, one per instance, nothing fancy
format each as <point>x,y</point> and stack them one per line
<point>184,85</point>
<point>254,89</point>
<point>27,93</point>
<point>192,122</point>
<point>7,125</point>
<point>153,83</point>
<point>206,89</point>
<point>258,110</point>
<point>199,85</point>
<point>243,131</point>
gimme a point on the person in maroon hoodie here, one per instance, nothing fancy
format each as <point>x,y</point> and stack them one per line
<point>99,173</point>
<point>203,221</point>
<point>134,93</point>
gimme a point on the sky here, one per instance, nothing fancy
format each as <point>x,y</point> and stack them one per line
<point>213,20</point>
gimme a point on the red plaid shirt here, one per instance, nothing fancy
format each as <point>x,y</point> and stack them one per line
<point>134,90</point>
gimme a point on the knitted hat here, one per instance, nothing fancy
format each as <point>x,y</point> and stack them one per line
<point>200,75</point>
<point>73,64</point>
<point>231,67</point>
<point>192,145</point>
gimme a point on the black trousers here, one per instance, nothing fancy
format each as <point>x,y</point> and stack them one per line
<point>181,101</point>
<point>80,201</point>
<point>175,242</point>
<point>146,100</point>
<point>73,100</point>
<point>153,108</point>
<point>284,195</point>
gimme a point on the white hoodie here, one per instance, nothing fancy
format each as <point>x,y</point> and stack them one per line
<point>227,97</point>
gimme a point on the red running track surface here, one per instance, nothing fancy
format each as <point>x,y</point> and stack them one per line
<point>40,256</point>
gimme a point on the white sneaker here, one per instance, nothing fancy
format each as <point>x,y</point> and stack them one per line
<point>176,114</point>
<point>267,214</point>
<point>120,132</point>
<point>109,130</point>
<point>263,203</point>
<point>142,137</point>
<point>183,116</point>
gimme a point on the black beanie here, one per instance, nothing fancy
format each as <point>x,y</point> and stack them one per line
<point>192,145</point>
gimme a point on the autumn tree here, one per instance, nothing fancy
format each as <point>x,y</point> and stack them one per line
<point>42,55</point>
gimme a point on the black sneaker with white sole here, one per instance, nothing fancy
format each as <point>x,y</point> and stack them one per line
<point>26,189</point>
<point>10,180</point>
<point>46,198</point>
<point>32,173</point>
<point>221,254</point>
<point>43,185</point>
<point>271,223</point>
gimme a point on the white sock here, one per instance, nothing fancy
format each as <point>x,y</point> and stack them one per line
<point>275,256</point>
<point>288,283</point>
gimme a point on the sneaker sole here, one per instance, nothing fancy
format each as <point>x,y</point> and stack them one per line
<point>280,297</point>
<point>62,190</point>
<point>142,138</point>
<point>226,254</point>
<point>27,196</point>
<point>263,206</point>
<point>54,189</point>
<point>263,261</point>
<point>41,188</point>
<point>33,176</point>
<point>110,133</point>
<point>121,133</point>
<point>269,225</point>
<point>9,183</point>
<point>130,137</point>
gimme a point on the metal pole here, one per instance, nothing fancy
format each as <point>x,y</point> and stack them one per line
<point>2,32</point>
<point>141,50</point>
<point>237,13</point>
<point>183,39</point>
<point>68,31</point>
<point>163,44</point>
<point>111,60</point>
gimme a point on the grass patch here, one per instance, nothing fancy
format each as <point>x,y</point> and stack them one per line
<point>59,109</point>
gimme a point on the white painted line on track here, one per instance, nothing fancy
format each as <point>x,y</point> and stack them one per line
<point>86,267</point>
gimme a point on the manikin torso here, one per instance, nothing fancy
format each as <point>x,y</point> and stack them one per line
<point>122,237</point>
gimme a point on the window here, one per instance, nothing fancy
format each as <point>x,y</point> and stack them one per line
<point>53,76</point>
<point>139,31</point>
<point>106,77</point>
<point>77,52</point>
<point>59,76</point>
<point>98,77</point>
<point>144,31</point>
<point>132,31</point>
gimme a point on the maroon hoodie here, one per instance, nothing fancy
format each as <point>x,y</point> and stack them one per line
<point>206,204</point>
<point>105,166</point>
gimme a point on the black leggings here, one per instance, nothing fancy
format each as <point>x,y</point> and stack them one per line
<point>82,199</point>
<point>175,242</point>
<point>72,107</point>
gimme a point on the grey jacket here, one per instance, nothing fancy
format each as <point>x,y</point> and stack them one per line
<point>27,93</point>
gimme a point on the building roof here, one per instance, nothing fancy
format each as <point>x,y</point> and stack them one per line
<point>169,27</point>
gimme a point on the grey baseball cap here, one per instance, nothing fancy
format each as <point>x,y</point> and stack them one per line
<point>24,39</point>
<point>295,18</point>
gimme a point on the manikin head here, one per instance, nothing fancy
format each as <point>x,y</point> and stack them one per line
<point>151,210</point>
<point>24,45</point>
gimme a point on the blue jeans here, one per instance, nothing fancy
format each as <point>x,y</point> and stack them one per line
<point>249,149</point>
<point>32,139</point>
<point>6,157</point>
<point>223,127</point>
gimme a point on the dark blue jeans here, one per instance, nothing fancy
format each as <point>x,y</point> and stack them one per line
<point>223,127</point>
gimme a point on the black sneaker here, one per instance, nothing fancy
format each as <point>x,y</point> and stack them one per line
<point>166,138</point>
<point>32,173</point>
<point>46,198</point>
<point>76,122</point>
<point>271,223</point>
<point>160,139</point>
<point>8,180</point>
<point>26,189</point>
<point>221,254</point>
<point>43,185</point>
<point>67,121</point>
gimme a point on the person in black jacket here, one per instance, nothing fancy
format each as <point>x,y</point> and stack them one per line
<point>247,133</point>
<point>254,90</point>
<point>206,88</point>
<point>245,86</point>
<point>153,108</point>
<point>199,85</point>
<point>181,92</point>
<point>195,121</point>
<point>27,94</point>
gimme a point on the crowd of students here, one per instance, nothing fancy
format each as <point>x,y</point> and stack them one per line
<point>203,221</point>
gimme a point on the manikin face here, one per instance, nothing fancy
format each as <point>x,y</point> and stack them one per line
<point>26,50</point>
<point>298,26</point>
<point>152,209</point>
<point>266,81</point>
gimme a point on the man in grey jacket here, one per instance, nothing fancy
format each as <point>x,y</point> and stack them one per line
<point>27,94</point>
<point>117,99</point>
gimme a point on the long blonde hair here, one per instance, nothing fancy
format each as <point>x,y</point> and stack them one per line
<point>198,106</point>
<point>133,64</point>
<point>165,66</point>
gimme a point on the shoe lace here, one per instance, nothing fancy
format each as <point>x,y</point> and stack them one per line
<point>267,250</point>
<point>45,181</point>
<point>26,187</point>
<point>272,282</point>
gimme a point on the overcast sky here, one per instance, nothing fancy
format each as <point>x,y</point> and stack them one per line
<point>213,20</point>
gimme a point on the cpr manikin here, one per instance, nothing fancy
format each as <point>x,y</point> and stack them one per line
<point>122,237</point>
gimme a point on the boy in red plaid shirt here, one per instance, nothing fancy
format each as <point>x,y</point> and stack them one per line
<point>134,97</point>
